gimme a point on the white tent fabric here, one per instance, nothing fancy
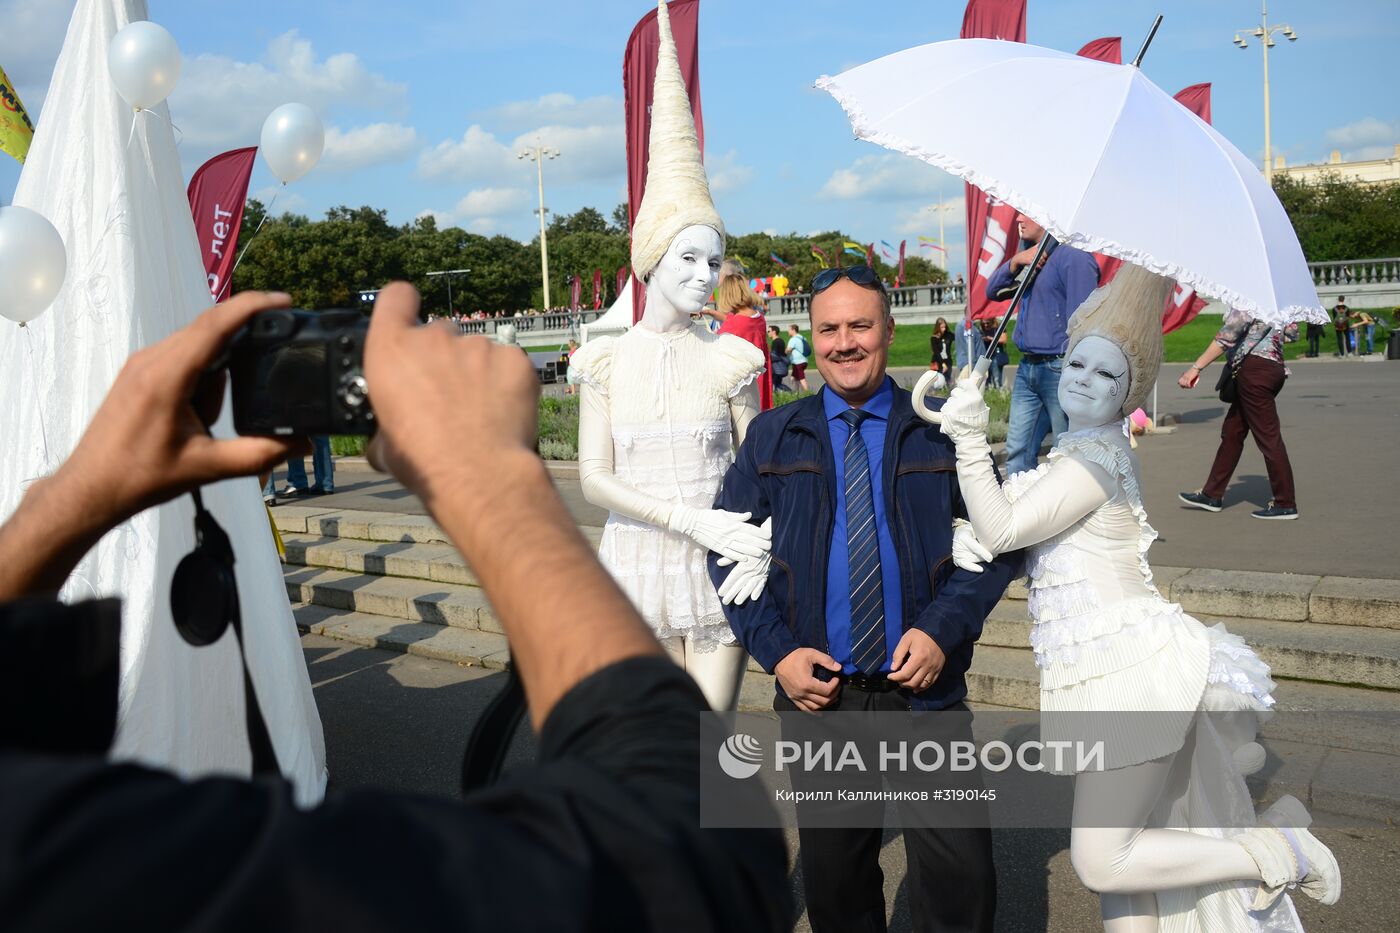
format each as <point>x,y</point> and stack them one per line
<point>615,320</point>
<point>134,276</point>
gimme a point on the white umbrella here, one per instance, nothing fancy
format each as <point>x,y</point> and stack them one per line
<point>1097,154</point>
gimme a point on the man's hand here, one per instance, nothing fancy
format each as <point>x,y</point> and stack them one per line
<point>794,673</point>
<point>917,661</point>
<point>148,442</point>
<point>968,552</point>
<point>1023,259</point>
<point>449,407</point>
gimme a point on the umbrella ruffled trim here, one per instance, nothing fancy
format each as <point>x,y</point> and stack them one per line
<point>1093,244</point>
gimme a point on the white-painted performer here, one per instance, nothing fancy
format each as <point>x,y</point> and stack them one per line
<point>664,406</point>
<point>1106,641</point>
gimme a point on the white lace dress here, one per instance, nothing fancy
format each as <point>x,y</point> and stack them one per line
<point>668,398</point>
<point>1105,639</point>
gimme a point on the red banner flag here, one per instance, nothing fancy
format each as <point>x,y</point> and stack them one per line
<point>1183,304</point>
<point>621,281</point>
<point>575,292</point>
<point>870,255</point>
<point>1108,49</point>
<point>991,225</point>
<point>638,80</point>
<point>217,194</point>
<point>597,289</point>
<point>899,276</point>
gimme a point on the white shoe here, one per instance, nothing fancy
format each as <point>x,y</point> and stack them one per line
<point>1287,854</point>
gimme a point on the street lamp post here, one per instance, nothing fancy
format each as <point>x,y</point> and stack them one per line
<point>538,154</point>
<point>1266,33</point>
<point>449,273</point>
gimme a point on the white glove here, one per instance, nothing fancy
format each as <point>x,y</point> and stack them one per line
<point>728,534</point>
<point>748,578</point>
<point>965,414</point>
<point>968,552</point>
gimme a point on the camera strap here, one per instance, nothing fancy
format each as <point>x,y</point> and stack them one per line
<point>490,738</point>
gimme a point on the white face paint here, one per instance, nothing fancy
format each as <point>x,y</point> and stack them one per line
<point>686,276</point>
<point>1093,383</point>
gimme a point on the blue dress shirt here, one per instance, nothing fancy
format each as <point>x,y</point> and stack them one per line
<point>1042,323</point>
<point>838,570</point>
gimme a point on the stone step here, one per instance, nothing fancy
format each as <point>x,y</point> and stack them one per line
<point>392,598</point>
<point>441,642</point>
<point>1337,654</point>
<point>1281,597</point>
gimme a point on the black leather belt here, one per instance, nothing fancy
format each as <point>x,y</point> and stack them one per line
<point>871,683</point>
<point>1041,357</point>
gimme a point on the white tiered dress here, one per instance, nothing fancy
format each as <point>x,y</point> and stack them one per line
<point>1105,640</point>
<point>668,399</point>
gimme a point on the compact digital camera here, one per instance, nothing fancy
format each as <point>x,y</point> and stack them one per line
<point>298,373</point>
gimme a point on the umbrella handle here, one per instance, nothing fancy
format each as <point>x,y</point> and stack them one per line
<point>927,380</point>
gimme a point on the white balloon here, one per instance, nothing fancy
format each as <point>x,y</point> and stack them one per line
<point>292,141</point>
<point>144,63</point>
<point>33,263</point>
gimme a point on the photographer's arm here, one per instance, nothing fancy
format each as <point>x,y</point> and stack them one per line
<point>475,468</point>
<point>146,444</point>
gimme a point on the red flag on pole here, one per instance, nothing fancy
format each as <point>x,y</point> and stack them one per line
<point>597,289</point>
<point>1108,49</point>
<point>575,292</point>
<point>638,79</point>
<point>621,281</point>
<point>899,276</point>
<point>1183,304</point>
<point>870,255</point>
<point>217,194</point>
<point>991,233</point>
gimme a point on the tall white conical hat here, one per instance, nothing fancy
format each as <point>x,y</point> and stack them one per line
<point>1128,313</point>
<point>677,193</point>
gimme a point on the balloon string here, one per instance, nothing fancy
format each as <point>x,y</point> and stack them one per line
<point>267,212</point>
<point>39,410</point>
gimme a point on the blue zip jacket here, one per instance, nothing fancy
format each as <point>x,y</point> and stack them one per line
<point>785,469</point>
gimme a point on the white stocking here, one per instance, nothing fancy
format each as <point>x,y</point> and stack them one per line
<point>718,670</point>
<point>1125,865</point>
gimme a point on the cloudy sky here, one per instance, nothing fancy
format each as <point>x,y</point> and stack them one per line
<point>427,102</point>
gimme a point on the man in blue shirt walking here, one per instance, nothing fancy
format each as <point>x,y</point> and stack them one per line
<point>863,609</point>
<point>1042,335</point>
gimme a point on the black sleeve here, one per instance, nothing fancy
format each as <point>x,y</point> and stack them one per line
<point>602,834</point>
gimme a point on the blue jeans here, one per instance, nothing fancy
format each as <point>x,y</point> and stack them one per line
<point>321,463</point>
<point>1036,393</point>
<point>1370,338</point>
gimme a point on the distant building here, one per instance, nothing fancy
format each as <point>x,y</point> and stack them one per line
<point>1368,172</point>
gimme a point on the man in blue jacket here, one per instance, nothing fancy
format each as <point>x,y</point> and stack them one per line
<point>863,607</point>
<point>1042,334</point>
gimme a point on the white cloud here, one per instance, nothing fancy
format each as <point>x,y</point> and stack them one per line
<point>589,151</point>
<point>29,45</point>
<point>887,176</point>
<point>924,220</point>
<point>220,103</point>
<point>726,174</point>
<point>556,109</point>
<point>363,146</point>
<point>1370,131</point>
<point>279,200</point>
<point>482,209</point>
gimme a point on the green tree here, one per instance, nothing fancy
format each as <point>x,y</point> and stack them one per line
<point>1336,219</point>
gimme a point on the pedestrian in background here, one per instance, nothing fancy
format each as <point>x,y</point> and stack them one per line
<point>1255,349</point>
<point>777,358</point>
<point>740,312</point>
<point>941,344</point>
<point>999,358</point>
<point>1341,322</point>
<point>797,355</point>
<point>1363,326</point>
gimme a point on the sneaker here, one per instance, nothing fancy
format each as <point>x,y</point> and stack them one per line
<point>291,492</point>
<point>1199,500</point>
<point>1277,512</point>
<point>269,501</point>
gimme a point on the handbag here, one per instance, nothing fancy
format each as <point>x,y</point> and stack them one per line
<point>1227,386</point>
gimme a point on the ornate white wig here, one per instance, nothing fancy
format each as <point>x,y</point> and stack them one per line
<point>1128,313</point>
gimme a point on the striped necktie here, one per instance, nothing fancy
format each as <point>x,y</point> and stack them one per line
<point>863,553</point>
